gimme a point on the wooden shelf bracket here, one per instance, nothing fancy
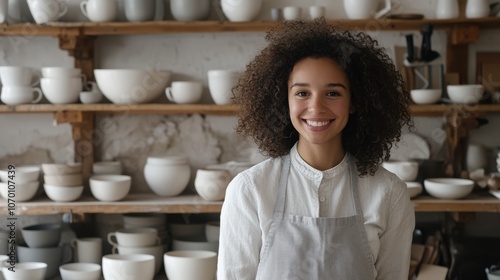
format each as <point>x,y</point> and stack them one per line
<point>80,47</point>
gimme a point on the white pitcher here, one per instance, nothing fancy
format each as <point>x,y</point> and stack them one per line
<point>365,9</point>
<point>446,9</point>
<point>477,9</point>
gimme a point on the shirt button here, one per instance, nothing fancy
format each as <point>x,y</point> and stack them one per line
<point>322,199</point>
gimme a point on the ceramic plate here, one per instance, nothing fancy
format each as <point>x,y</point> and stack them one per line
<point>410,147</point>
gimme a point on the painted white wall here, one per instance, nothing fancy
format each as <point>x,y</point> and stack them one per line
<point>33,139</point>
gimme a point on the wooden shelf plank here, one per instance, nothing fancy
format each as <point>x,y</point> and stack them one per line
<point>209,109</point>
<point>132,203</point>
<point>195,204</point>
<point>475,202</point>
<point>165,109</point>
<point>156,27</point>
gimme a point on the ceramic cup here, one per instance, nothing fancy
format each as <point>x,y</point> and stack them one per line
<point>221,83</point>
<point>15,95</point>
<point>291,12</point>
<point>45,11</point>
<point>156,251</point>
<point>184,92</point>
<point>139,10</point>
<point>133,266</point>
<point>134,237</point>
<point>100,10</point>
<point>88,250</point>
<point>316,12</point>
<point>18,76</point>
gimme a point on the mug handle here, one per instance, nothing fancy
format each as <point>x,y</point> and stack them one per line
<point>74,242</point>
<point>83,7</point>
<point>64,6</point>
<point>111,242</point>
<point>84,80</point>
<point>114,250</point>
<point>168,93</point>
<point>37,79</point>
<point>40,95</point>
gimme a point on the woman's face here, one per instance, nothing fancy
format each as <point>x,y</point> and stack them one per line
<point>319,100</point>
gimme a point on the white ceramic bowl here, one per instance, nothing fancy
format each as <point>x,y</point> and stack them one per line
<point>414,188</point>
<point>211,184</point>
<point>493,274</point>
<point>80,271</point>
<point>131,86</point>
<point>61,169</point>
<point>190,265</point>
<point>167,180</point>
<point>61,90</point>
<point>221,83</point>
<point>133,266</point>
<point>110,187</point>
<point>190,10</point>
<point>465,94</point>
<point>23,192</point>
<point>405,170</point>
<point>22,174</point>
<point>63,193</point>
<point>26,270</point>
<point>59,72</point>
<point>157,251</point>
<point>64,179</point>
<point>448,188</point>
<point>90,97</point>
<point>425,96</point>
<point>236,10</point>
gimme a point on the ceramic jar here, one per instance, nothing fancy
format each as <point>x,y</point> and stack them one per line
<point>477,9</point>
<point>167,176</point>
<point>446,9</point>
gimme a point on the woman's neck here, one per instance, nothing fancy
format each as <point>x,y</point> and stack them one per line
<point>321,157</point>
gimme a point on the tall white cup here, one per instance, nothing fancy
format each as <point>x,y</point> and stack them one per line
<point>88,250</point>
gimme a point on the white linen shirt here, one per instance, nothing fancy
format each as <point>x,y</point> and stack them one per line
<point>248,209</point>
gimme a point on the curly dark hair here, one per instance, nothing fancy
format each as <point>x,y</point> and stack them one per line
<point>378,92</point>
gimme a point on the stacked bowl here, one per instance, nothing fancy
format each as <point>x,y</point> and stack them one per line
<point>168,175</point>
<point>110,187</point>
<point>63,182</point>
<point>19,183</point>
<point>62,85</point>
<point>43,245</point>
<point>407,171</point>
<point>138,240</point>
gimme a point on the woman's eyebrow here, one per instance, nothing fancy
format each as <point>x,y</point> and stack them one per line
<point>328,85</point>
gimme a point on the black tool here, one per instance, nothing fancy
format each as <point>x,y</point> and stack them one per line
<point>426,52</point>
<point>409,48</point>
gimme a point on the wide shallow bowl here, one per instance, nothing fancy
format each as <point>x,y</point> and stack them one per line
<point>42,235</point>
<point>414,188</point>
<point>448,188</point>
<point>19,192</point>
<point>26,270</point>
<point>465,94</point>
<point>405,170</point>
<point>131,86</point>
<point>425,96</point>
<point>61,169</point>
<point>110,187</point>
<point>80,271</point>
<point>63,193</point>
<point>133,266</point>
<point>190,265</point>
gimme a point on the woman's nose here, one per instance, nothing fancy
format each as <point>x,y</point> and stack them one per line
<point>317,105</point>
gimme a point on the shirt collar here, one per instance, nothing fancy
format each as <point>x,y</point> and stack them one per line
<point>313,173</point>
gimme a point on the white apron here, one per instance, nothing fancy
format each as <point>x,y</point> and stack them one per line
<point>308,248</point>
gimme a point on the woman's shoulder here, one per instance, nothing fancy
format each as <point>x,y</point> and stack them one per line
<point>384,183</point>
<point>260,176</point>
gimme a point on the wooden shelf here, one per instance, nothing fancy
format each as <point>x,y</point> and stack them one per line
<point>156,27</point>
<point>195,204</point>
<point>208,109</point>
<point>132,203</point>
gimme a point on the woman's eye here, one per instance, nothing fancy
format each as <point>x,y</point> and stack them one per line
<point>333,93</point>
<point>301,93</point>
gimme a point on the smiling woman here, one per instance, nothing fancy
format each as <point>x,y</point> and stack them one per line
<point>325,104</point>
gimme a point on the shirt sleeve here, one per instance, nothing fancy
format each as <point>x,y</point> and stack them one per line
<point>393,261</point>
<point>240,233</point>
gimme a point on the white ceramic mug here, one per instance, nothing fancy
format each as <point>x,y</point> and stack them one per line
<point>316,12</point>
<point>139,10</point>
<point>134,237</point>
<point>61,90</point>
<point>88,250</point>
<point>291,12</point>
<point>184,92</point>
<point>44,11</point>
<point>221,83</point>
<point>15,95</point>
<point>18,76</point>
<point>100,10</point>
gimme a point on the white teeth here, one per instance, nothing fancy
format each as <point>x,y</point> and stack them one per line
<point>313,123</point>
